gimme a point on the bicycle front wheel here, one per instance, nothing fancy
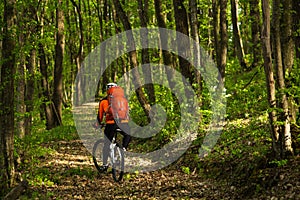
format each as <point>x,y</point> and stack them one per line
<point>117,163</point>
<point>97,151</point>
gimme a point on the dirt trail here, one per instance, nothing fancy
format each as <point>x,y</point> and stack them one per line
<point>75,177</point>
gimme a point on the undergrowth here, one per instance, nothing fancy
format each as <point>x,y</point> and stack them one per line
<point>32,149</point>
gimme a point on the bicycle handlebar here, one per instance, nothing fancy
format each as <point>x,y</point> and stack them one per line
<point>98,126</point>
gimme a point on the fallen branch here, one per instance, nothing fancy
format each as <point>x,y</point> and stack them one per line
<point>17,191</point>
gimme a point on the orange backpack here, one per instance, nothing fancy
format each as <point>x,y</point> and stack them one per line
<point>118,104</point>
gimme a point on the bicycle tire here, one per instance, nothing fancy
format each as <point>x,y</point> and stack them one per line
<point>96,155</point>
<point>117,163</point>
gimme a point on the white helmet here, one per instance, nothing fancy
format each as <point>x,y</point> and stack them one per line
<point>109,85</point>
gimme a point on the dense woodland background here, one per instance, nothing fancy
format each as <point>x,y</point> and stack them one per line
<point>254,43</point>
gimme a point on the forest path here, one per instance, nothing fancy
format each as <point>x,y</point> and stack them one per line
<point>74,176</point>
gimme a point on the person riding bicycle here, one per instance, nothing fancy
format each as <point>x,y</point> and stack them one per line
<point>111,127</point>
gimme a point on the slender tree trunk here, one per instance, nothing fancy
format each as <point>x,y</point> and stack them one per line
<point>296,17</point>
<point>288,46</point>
<point>287,35</point>
<point>216,27</point>
<point>296,30</point>
<point>285,129</point>
<point>183,46</point>
<point>25,83</point>
<point>58,69</point>
<point>31,32</point>
<point>133,57</point>
<point>143,12</point>
<point>79,55</point>
<point>7,168</point>
<point>210,40</point>
<point>224,39</point>
<point>266,44</point>
<point>20,95</point>
<point>45,87</point>
<point>255,32</point>
<point>220,35</point>
<point>288,51</point>
<point>236,33</point>
<point>30,67</point>
<point>100,18</point>
<point>196,54</point>
<point>167,56</point>
<point>47,106</point>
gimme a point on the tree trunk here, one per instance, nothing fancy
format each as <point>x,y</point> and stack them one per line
<point>30,67</point>
<point>143,12</point>
<point>224,39</point>
<point>296,30</point>
<point>288,50</point>
<point>220,35</point>
<point>288,62</point>
<point>7,168</point>
<point>58,68</point>
<point>296,17</point>
<point>133,57</point>
<point>167,56</point>
<point>196,54</point>
<point>47,106</point>
<point>285,129</point>
<point>255,32</point>
<point>287,35</point>
<point>238,43</point>
<point>20,95</point>
<point>25,83</point>
<point>79,55</point>
<point>266,44</point>
<point>216,27</point>
<point>183,46</point>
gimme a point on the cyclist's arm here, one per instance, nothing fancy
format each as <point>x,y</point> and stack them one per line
<point>102,106</point>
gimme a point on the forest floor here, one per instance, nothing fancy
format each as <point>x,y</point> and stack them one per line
<point>70,174</point>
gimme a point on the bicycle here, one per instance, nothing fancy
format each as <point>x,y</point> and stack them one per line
<point>116,156</point>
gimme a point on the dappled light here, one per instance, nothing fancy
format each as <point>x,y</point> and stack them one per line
<point>154,100</point>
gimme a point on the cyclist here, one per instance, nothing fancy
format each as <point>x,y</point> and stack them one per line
<point>110,127</point>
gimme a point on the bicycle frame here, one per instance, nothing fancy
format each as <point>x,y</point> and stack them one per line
<point>116,157</point>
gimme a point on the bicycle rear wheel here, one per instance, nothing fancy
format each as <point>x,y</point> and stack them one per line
<point>97,151</point>
<point>117,163</point>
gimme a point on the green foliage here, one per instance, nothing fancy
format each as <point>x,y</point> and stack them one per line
<point>279,163</point>
<point>241,150</point>
<point>245,95</point>
<point>186,170</point>
<point>83,172</point>
<point>35,147</point>
<point>165,99</point>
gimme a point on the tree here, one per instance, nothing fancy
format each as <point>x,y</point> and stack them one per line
<point>224,39</point>
<point>255,32</point>
<point>30,67</point>
<point>284,130</point>
<point>195,35</point>
<point>58,68</point>
<point>79,54</point>
<point>143,13</point>
<point>238,43</point>
<point>133,57</point>
<point>288,51</point>
<point>7,110</point>
<point>167,56</point>
<point>267,55</point>
<point>183,46</point>
<point>220,35</point>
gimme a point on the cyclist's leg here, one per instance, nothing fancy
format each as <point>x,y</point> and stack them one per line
<point>109,134</point>
<point>126,134</point>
